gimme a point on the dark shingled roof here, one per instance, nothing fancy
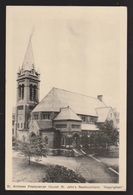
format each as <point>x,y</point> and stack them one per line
<point>58,98</point>
<point>67,114</point>
<point>44,124</point>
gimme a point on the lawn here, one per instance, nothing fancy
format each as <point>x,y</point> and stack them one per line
<point>22,172</point>
<point>92,171</point>
<point>112,160</point>
<point>96,172</point>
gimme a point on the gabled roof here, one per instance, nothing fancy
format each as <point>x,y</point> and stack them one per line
<point>102,113</point>
<point>36,125</point>
<point>44,124</point>
<point>67,114</point>
<point>28,63</point>
<point>58,98</point>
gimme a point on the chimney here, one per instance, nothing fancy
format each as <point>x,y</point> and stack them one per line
<point>100,97</point>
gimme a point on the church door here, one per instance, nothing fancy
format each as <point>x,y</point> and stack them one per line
<point>76,141</point>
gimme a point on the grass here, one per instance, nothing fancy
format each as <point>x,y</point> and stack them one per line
<point>22,172</point>
<point>111,161</point>
<point>96,172</point>
<point>92,171</point>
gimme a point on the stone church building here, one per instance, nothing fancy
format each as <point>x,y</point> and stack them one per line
<point>61,117</point>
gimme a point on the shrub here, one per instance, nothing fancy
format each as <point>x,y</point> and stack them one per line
<point>69,153</point>
<point>66,152</point>
<point>60,174</point>
<point>55,152</point>
<point>14,141</point>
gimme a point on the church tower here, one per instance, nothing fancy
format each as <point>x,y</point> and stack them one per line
<point>28,80</point>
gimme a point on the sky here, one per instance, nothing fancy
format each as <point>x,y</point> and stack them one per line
<point>75,48</point>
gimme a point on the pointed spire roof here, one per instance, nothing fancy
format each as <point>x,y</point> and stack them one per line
<point>28,63</point>
<point>38,71</point>
<point>18,70</point>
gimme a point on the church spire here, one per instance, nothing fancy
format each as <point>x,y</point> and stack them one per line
<point>28,63</point>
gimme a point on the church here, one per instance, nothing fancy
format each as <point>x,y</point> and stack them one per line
<point>61,117</point>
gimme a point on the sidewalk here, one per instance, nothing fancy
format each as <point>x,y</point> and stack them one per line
<point>111,163</point>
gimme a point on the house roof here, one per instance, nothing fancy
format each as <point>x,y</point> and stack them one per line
<point>102,113</point>
<point>44,124</point>
<point>67,114</point>
<point>58,98</point>
<point>90,127</point>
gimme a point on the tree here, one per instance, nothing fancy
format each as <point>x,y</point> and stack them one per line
<point>114,137</point>
<point>85,140</point>
<point>107,126</point>
<point>13,140</point>
<point>108,133</point>
<point>34,147</point>
<point>95,139</point>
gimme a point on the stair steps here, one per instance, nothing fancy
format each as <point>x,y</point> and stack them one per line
<point>79,152</point>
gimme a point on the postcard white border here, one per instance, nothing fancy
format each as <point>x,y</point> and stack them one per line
<point>121,186</point>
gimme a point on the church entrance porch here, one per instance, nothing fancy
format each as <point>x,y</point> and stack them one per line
<point>71,141</point>
<point>66,141</point>
<point>76,141</point>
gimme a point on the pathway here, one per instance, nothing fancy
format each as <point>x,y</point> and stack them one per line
<point>93,171</point>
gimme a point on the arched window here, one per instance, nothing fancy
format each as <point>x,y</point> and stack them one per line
<point>32,134</point>
<point>62,141</point>
<point>46,140</point>
<point>22,91</point>
<point>31,92</point>
<point>75,141</point>
<point>19,88</point>
<point>34,92</point>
